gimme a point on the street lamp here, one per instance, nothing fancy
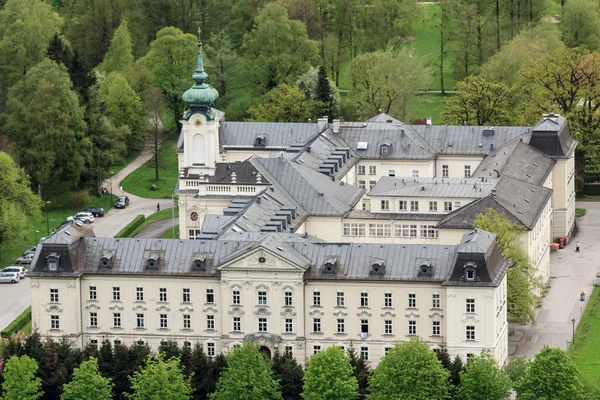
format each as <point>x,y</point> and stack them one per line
<point>573,322</point>
<point>47,221</point>
<point>36,236</point>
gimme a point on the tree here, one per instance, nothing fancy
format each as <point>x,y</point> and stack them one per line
<point>223,65</point>
<point>87,384</point>
<point>446,8</point>
<point>409,371</point>
<point>516,370</point>
<point>581,24</point>
<point>478,101</point>
<point>20,382</point>
<point>248,376</point>
<point>387,82</point>
<point>361,371</point>
<point>522,282</point>
<point>329,376</point>
<point>159,379</point>
<point>483,380</point>
<point>308,83</point>
<point>46,124</point>
<point>120,51</point>
<point>277,50</point>
<point>289,374</point>
<point>284,103</point>
<point>552,375</point>
<point>155,107</point>
<point>171,61</point>
<point>465,42</point>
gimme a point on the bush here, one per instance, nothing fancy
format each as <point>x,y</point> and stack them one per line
<point>591,189</point>
<point>131,227</point>
<point>72,200</point>
<point>19,323</point>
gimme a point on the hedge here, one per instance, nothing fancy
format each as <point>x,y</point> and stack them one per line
<point>591,189</point>
<point>18,324</point>
<point>130,227</point>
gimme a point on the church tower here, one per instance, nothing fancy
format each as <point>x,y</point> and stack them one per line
<point>200,126</point>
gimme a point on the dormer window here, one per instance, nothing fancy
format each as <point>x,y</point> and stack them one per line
<point>200,262</point>
<point>425,269</point>
<point>330,266</point>
<point>378,267</point>
<point>385,149</point>
<point>53,262</point>
<point>260,141</point>
<point>106,261</point>
<point>152,262</point>
<point>470,272</point>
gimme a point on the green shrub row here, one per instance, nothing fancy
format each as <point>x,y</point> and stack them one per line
<point>131,227</point>
<point>591,189</point>
<point>582,334</point>
<point>19,323</point>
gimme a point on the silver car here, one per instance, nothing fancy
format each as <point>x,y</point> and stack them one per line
<point>19,270</point>
<point>9,277</point>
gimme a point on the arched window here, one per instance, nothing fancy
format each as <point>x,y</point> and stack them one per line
<point>198,150</point>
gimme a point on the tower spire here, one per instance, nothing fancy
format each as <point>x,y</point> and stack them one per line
<point>201,96</point>
<point>199,76</point>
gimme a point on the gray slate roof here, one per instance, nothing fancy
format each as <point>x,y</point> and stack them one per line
<point>278,134</point>
<point>433,187</point>
<point>551,136</point>
<point>477,241</point>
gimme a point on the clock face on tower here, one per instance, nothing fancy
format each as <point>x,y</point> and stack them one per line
<point>198,122</point>
<point>194,216</point>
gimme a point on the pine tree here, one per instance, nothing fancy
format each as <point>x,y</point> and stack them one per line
<point>289,373</point>
<point>361,370</point>
<point>323,89</point>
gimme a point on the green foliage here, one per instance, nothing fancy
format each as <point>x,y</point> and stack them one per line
<point>20,382</point>
<point>409,371</point>
<point>478,101</point>
<point>516,370</point>
<point>18,323</point>
<point>580,212</point>
<point>166,213</point>
<point>46,123</point>
<point>277,50</point>
<point>591,189</point>
<point>308,83</point>
<point>522,281</point>
<point>223,66</point>
<point>289,373</point>
<point>483,380</point>
<point>580,24</point>
<point>284,103</point>
<point>131,227</point>
<point>120,52</point>
<point>87,383</point>
<point>329,376</point>
<point>360,369</point>
<point>159,379</point>
<point>552,375</point>
<point>248,376</point>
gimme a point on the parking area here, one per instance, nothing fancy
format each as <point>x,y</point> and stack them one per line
<point>14,299</point>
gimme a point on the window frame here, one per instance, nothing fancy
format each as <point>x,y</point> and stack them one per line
<point>116,293</point>
<point>186,295</point>
<point>54,298</point>
<point>117,322</point>
<point>55,322</point>
<point>262,298</point>
<point>210,296</point>
<point>388,301</point>
<point>162,295</point>
<point>412,327</point>
<point>93,319</point>
<point>92,293</point>
<point>139,293</point>
<point>210,322</point>
<point>263,324</point>
<point>364,299</point>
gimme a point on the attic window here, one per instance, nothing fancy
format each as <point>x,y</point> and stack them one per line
<point>200,262</point>
<point>53,262</point>
<point>385,149</point>
<point>330,265</point>
<point>260,141</point>
<point>362,145</point>
<point>105,261</point>
<point>378,267</point>
<point>425,269</point>
<point>470,272</point>
<point>262,260</point>
<point>152,262</point>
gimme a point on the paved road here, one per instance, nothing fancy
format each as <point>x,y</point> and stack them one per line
<point>14,299</point>
<point>158,228</point>
<point>570,272</point>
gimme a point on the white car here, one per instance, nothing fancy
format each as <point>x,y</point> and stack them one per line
<point>9,277</point>
<point>86,217</point>
<point>18,270</point>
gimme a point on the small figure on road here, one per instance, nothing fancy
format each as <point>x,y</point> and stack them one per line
<point>577,247</point>
<point>158,207</point>
<point>121,187</point>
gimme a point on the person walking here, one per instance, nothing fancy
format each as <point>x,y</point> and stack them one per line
<point>158,209</point>
<point>577,247</point>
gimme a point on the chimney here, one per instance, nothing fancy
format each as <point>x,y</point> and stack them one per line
<point>258,200</point>
<point>336,126</point>
<point>428,120</point>
<point>491,146</point>
<point>322,123</point>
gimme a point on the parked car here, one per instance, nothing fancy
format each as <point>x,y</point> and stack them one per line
<point>9,277</point>
<point>96,211</point>
<point>30,251</point>
<point>122,202</point>
<point>25,259</point>
<point>18,270</point>
<point>84,216</point>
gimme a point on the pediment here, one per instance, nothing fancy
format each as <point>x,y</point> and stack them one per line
<point>263,259</point>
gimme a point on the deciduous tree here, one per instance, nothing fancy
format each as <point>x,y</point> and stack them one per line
<point>329,376</point>
<point>516,370</point>
<point>483,380</point>
<point>223,66</point>
<point>159,379</point>
<point>120,51</point>
<point>87,384</point>
<point>580,24</point>
<point>20,381</point>
<point>284,103</point>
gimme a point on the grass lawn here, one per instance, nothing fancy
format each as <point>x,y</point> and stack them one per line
<point>116,168</point>
<point>579,212</point>
<point>169,233</point>
<point>587,341</point>
<point>157,216</point>
<point>428,105</point>
<point>140,180</point>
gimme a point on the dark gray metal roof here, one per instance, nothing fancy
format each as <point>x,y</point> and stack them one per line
<point>471,188</point>
<point>365,214</point>
<point>277,134</point>
<point>551,136</point>
<point>477,241</point>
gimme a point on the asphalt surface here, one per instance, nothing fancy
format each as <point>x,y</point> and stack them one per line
<point>158,228</point>
<point>14,299</point>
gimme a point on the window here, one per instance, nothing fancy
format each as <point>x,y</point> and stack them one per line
<point>402,231</point>
<point>402,205</point>
<point>386,350</point>
<point>412,328</point>
<point>163,321</point>
<point>385,150</point>
<point>194,233</point>
<point>289,350</point>
<point>470,274</point>
<point>364,326</point>
<point>339,299</point>
<point>457,204</point>
<point>470,305</point>
<point>435,300</point>
<point>187,321</point>
<point>433,206</point>
<point>116,293</point>
<point>469,355</point>
<point>116,320</point>
<point>140,321</point>
<point>364,352</point>
<point>210,322</point>
<point>316,324</point>
<point>210,296</point>
<point>94,342</point>
<point>354,229</point>
<point>162,295</point>
<point>372,184</point>
<point>467,171</point>
<point>385,205</point>
<point>444,171</point>
<point>415,173</point>
<point>361,170</point>
<point>289,325</point>
<point>362,184</point>
<point>53,295</point>
<point>140,343</point>
<point>380,230</point>
<point>429,231</point>
<point>341,325</point>
<point>262,324</point>
<point>413,231</point>
<point>139,294</point>
<point>316,349</point>
<point>470,333</point>
<point>387,327</point>
<point>186,295</point>
<point>364,299</point>
<point>287,297</point>
<point>92,293</point>
<point>316,299</point>
<point>262,298</point>
<point>372,170</point>
<point>435,328</point>
<point>412,300</point>
<point>236,299</point>
<point>117,342</point>
<point>54,322</point>
<point>237,324</point>
<point>414,205</point>
<point>93,320</point>
<point>387,300</point>
<point>210,349</point>
<point>447,206</point>
<point>391,172</point>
